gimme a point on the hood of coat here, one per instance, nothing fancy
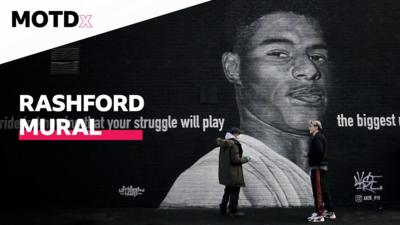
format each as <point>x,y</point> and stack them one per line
<point>222,142</point>
<point>226,142</point>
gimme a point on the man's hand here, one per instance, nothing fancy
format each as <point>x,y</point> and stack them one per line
<point>247,158</point>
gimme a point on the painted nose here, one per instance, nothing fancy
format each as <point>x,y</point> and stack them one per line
<point>305,69</point>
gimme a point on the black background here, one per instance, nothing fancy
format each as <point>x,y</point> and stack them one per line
<point>174,62</point>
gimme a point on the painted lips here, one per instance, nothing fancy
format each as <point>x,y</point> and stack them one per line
<point>307,96</point>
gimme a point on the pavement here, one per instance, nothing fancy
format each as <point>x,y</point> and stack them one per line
<point>151,216</point>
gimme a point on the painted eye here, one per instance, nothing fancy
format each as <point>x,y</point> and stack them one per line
<point>278,54</point>
<point>318,58</point>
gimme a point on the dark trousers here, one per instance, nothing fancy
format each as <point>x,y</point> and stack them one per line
<point>320,191</point>
<point>231,195</point>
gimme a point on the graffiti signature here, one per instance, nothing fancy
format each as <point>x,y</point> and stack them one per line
<point>366,182</point>
<point>131,191</point>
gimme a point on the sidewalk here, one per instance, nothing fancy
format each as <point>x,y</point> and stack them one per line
<point>143,216</point>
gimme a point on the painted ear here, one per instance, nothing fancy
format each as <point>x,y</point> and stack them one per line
<point>231,66</point>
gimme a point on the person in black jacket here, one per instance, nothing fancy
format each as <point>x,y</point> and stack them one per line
<point>318,162</point>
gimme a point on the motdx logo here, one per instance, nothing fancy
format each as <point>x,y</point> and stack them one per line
<point>50,18</point>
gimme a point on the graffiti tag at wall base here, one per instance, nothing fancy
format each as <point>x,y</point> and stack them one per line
<point>131,191</point>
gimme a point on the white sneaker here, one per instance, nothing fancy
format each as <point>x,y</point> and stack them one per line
<point>312,216</point>
<point>329,215</point>
<point>317,219</point>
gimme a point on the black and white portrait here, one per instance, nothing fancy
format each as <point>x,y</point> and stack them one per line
<point>279,66</point>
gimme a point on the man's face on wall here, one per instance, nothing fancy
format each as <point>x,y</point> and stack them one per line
<point>284,71</point>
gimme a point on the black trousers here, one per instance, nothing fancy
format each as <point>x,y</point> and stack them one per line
<point>321,195</point>
<point>231,195</point>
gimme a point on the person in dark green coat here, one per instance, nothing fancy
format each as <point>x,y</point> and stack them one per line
<point>230,171</point>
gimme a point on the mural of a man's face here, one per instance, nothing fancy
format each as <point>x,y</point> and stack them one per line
<point>284,71</point>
